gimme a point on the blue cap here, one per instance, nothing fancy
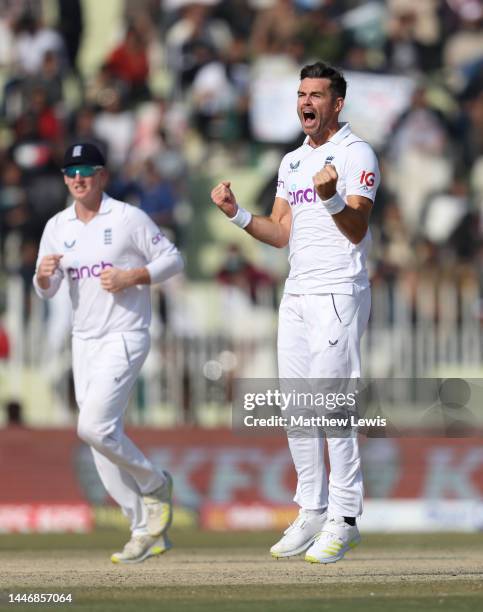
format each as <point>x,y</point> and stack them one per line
<point>83,153</point>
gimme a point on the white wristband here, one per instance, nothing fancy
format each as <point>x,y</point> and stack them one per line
<point>242,217</point>
<point>335,204</point>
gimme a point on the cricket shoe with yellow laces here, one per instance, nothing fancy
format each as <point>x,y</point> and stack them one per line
<point>336,538</point>
<point>159,506</point>
<point>300,534</point>
<point>141,547</point>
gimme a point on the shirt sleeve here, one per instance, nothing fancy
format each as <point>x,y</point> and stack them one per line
<point>362,171</point>
<point>47,247</point>
<point>282,182</point>
<point>162,257</point>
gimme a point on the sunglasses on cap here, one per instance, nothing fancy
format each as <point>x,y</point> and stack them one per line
<point>83,171</point>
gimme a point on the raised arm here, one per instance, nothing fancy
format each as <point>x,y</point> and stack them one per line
<point>273,230</point>
<point>362,177</point>
<point>352,218</point>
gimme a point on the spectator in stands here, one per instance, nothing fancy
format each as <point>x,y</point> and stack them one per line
<point>446,220</point>
<point>32,42</point>
<point>464,47</point>
<point>322,35</point>
<point>157,197</point>
<point>275,27</point>
<point>404,52</point>
<point>129,63</point>
<point>193,40</point>
<point>49,79</point>
<point>83,128</point>
<point>15,215</point>
<point>149,138</point>
<point>115,125</point>
<point>392,251</point>
<point>99,88</point>
<point>237,271</point>
<point>418,152</point>
<point>220,93</point>
<point>48,125</point>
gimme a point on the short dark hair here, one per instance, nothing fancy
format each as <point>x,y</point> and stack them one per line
<point>319,70</point>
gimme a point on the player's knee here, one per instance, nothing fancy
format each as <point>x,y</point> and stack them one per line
<point>93,434</point>
<point>86,432</point>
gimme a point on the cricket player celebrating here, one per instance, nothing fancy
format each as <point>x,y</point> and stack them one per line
<point>325,193</point>
<point>109,253</point>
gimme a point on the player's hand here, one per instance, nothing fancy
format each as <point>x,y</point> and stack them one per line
<point>47,267</point>
<point>114,279</point>
<point>325,182</point>
<point>224,198</point>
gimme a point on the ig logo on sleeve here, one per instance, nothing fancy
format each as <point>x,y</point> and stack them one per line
<point>367,178</point>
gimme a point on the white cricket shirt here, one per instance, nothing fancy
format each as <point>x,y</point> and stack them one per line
<point>120,236</point>
<point>322,259</point>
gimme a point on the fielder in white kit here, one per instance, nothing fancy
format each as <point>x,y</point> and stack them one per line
<point>109,253</point>
<point>326,189</point>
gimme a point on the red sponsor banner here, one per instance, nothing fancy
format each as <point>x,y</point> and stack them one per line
<point>46,518</point>
<point>55,466</point>
<point>218,466</point>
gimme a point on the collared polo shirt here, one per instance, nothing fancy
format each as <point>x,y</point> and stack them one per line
<point>322,259</point>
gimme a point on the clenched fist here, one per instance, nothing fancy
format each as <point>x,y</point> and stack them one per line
<point>224,198</point>
<point>114,279</point>
<point>325,182</point>
<point>47,267</point>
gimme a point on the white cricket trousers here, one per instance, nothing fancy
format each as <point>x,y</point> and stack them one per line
<point>306,325</point>
<point>105,370</point>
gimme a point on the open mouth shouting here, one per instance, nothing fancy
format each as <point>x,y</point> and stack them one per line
<point>308,118</point>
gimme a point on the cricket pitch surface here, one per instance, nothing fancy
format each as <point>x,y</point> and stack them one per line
<point>234,571</point>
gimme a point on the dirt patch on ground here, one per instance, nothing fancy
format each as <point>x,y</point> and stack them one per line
<point>92,569</point>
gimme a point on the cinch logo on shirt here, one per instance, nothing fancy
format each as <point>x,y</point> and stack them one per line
<point>299,196</point>
<point>88,272</point>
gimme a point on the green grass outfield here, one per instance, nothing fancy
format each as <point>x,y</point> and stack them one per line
<point>387,573</point>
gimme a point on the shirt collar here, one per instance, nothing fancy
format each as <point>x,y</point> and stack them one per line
<point>104,208</point>
<point>338,137</point>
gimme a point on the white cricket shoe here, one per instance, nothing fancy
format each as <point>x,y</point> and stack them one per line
<point>159,506</point>
<point>299,535</point>
<point>142,547</point>
<point>336,538</point>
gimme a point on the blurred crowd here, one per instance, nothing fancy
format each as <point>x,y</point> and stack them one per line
<point>177,87</point>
